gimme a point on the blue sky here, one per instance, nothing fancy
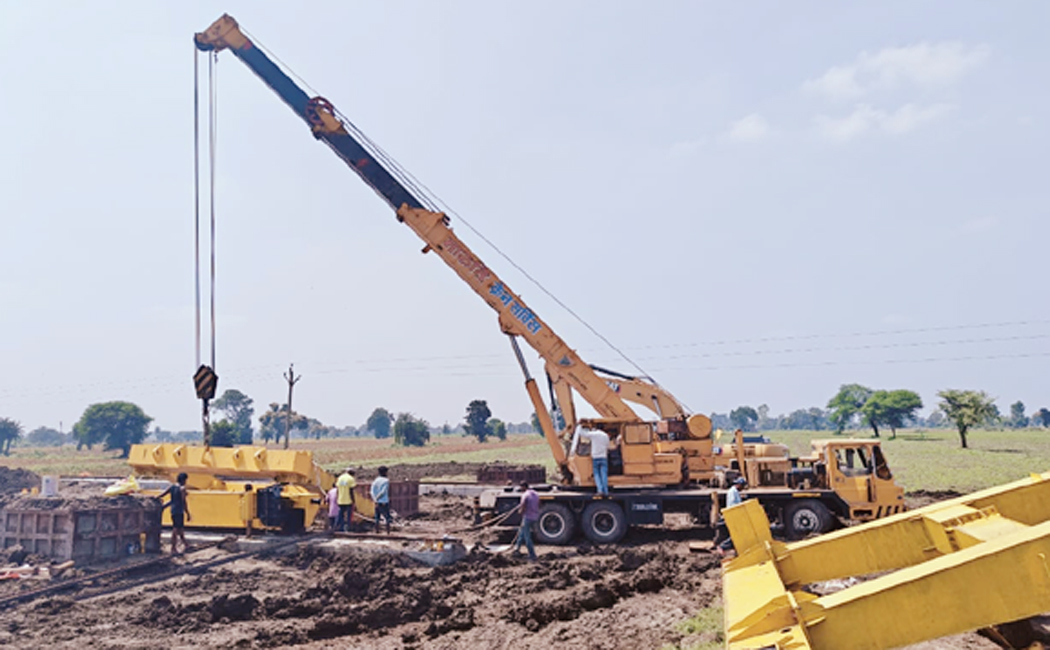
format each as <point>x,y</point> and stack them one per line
<point>756,207</point>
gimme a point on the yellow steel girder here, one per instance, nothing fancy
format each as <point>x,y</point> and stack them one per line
<point>958,565</point>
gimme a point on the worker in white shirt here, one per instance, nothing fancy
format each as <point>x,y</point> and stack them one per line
<point>599,458</point>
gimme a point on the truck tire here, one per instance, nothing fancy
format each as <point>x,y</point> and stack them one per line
<point>806,517</point>
<point>604,522</point>
<point>556,525</point>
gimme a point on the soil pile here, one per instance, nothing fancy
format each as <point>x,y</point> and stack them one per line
<point>90,501</point>
<point>13,481</point>
<point>586,597</point>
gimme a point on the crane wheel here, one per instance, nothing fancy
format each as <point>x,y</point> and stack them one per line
<point>604,522</point>
<point>806,517</point>
<point>556,526</point>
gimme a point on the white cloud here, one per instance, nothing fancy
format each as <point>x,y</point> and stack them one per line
<point>751,128</point>
<point>864,118</point>
<point>922,65</point>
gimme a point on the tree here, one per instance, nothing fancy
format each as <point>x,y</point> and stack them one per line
<point>966,409</point>
<point>410,431</point>
<point>890,408</point>
<point>497,428</point>
<point>1018,420</point>
<point>271,423</point>
<point>116,424</point>
<point>224,434</point>
<point>477,419</point>
<point>379,423</point>
<point>744,418</point>
<point>238,410</point>
<point>46,437</point>
<point>10,430</point>
<point>1042,417</point>
<point>535,422</point>
<point>764,421</point>
<point>846,404</point>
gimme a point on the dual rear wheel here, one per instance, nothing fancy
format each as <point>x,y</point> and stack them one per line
<point>602,522</point>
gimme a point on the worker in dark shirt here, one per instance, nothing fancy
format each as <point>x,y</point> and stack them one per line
<point>530,514</point>
<point>180,514</point>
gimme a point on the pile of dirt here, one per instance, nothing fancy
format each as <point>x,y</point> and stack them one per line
<point>14,480</point>
<point>573,597</point>
<point>78,502</point>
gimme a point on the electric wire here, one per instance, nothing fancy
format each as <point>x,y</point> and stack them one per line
<point>264,374</point>
<point>799,337</point>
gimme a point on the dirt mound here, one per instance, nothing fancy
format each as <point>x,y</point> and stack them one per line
<point>14,480</point>
<point>78,502</point>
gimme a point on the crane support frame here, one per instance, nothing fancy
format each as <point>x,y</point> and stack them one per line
<point>966,563</point>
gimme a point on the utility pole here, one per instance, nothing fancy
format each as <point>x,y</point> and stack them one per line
<point>292,380</point>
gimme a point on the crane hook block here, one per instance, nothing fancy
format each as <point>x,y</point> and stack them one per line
<point>205,381</point>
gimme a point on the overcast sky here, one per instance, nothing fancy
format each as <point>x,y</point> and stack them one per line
<point>757,203</point>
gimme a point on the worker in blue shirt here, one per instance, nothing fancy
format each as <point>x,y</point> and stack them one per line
<point>380,493</point>
<point>733,498</point>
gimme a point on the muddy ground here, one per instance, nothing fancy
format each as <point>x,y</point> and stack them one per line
<point>633,596</point>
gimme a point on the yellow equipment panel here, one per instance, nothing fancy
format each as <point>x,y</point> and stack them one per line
<point>963,564</point>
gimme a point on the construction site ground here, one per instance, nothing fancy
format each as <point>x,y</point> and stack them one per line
<point>640,594</point>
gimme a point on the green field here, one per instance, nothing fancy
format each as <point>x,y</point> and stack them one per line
<point>930,460</point>
<point>933,459</point>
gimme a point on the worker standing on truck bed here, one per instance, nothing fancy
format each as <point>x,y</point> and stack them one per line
<point>381,496</point>
<point>599,459</point>
<point>345,485</point>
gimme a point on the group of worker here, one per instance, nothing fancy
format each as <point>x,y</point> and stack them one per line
<point>341,500</point>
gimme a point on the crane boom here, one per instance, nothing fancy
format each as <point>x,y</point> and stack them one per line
<point>432,227</point>
<point>607,392</point>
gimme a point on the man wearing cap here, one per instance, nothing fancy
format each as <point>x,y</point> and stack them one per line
<point>344,486</point>
<point>733,498</point>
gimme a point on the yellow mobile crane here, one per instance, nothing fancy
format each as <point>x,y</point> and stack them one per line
<point>658,463</point>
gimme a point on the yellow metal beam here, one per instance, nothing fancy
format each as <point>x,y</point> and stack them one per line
<point>957,565</point>
<point>203,463</point>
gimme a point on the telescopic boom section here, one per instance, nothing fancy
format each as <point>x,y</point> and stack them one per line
<point>432,227</point>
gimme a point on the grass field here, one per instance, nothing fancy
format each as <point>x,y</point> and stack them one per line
<point>930,460</point>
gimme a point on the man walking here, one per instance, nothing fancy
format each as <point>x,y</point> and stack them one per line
<point>180,513</point>
<point>380,493</point>
<point>530,514</point>
<point>599,459</point>
<point>345,485</point>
